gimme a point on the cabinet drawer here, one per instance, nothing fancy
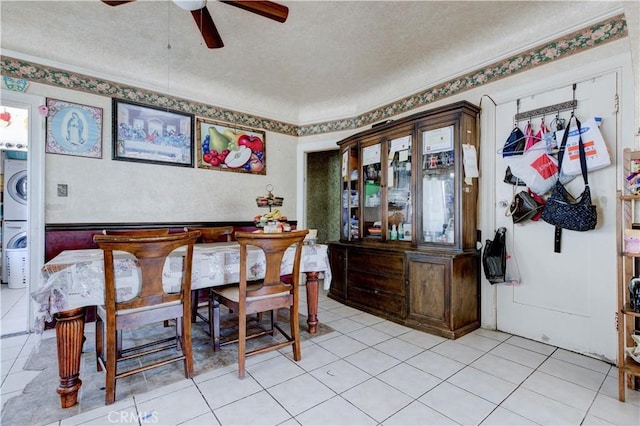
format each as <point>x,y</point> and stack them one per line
<point>375,282</point>
<point>377,300</point>
<point>376,262</point>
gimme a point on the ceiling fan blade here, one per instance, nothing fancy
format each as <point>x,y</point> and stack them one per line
<point>268,9</point>
<point>117,3</point>
<point>207,28</point>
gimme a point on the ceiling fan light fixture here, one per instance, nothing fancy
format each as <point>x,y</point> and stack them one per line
<point>191,5</point>
<point>204,22</point>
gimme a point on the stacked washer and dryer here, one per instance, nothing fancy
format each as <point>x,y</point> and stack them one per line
<point>14,224</point>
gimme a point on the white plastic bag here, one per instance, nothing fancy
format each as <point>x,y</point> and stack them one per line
<point>512,273</point>
<point>595,148</point>
<point>536,168</point>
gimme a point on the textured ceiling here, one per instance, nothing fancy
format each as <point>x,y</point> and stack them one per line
<point>329,60</point>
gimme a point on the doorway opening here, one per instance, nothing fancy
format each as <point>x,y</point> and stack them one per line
<point>22,170</point>
<point>323,194</point>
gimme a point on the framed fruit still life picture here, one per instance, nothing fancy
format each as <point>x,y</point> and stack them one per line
<point>230,148</point>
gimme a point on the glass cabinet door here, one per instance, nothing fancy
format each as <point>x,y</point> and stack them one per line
<point>349,212</point>
<point>372,175</point>
<point>438,186</point>
<point>386,171</point>
<point>398,189</point>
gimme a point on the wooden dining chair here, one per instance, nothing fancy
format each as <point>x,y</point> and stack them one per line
<point>137,232</point>
<point>268,295</point>
<point>150,305</point>
<point>152,232</point>
<point>214,234</point>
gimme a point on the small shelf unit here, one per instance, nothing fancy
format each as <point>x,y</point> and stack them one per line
<point>628,319</point>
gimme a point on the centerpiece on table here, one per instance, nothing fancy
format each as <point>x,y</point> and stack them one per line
<point>274,221</point>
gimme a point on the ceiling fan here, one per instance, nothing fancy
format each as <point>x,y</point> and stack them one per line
<point>200,13</point>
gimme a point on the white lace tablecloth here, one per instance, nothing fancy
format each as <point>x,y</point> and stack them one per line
<point>75,278</point>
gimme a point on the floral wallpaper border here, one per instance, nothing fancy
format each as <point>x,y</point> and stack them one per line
<point>595,35</point>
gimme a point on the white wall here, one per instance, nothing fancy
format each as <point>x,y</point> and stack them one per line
<point>105,190</point>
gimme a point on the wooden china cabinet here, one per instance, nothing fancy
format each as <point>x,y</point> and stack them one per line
<point>407,249</point>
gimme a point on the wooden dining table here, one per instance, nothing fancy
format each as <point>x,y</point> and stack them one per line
<point>74,280</point>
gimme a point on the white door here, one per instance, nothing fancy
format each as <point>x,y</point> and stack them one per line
<point>565,299</point>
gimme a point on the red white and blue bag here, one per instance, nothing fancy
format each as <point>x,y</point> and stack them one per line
<point>595,148</point>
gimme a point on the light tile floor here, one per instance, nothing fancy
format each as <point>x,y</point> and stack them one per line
<point>14,307</point>
<point>375,372</point>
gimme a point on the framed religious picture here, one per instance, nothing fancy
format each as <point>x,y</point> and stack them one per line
<point>152,135</point>
<point>73,129</point>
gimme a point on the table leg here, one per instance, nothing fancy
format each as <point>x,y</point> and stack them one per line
<point>69,333</point>
<point>312,301</point>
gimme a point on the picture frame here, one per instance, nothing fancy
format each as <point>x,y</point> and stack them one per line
<point>231,148</point>
<point>148,134</point>
<point>73,129</point>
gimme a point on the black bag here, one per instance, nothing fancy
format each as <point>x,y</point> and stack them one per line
<point>523,207</point>
<point>511,179</point>
<point>494,257</point>
<point>515,143</point>
<point>563,210</point>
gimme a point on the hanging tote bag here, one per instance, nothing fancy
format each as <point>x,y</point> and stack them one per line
<point>595,148</point>
<point>494,257</point>
<point>563,210</point>
<point>530,140</point>
<point>534,167</point>
<point>514,145</point>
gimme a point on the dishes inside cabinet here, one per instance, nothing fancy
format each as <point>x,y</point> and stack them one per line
<point>375,231</point>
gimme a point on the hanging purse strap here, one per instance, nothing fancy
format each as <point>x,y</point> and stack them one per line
<point>563,146</point>
<point>583,167</point>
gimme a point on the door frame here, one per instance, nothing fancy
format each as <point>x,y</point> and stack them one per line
<point>36,187</point>
<point>490,143</point>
